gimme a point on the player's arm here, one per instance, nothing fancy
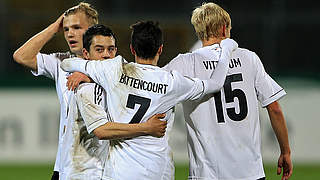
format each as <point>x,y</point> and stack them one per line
<point>112,130</point>
<point>27,53</point>
<point>193,88</point>
<point>100,123</point>
<point>96,70</point>
<point>75,79</point>
<point>219,75</point>
<point>278,124</point>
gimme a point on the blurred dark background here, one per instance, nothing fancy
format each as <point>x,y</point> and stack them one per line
<point>283,33</point>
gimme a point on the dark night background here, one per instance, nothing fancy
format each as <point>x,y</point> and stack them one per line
<point>283,33</point>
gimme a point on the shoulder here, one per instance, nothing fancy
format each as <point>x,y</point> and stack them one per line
<point>63,55</point>
<point>244,51</point>
<point>246,55</point>
<point>180,62</point>
<point>58,56</point>
<point>85,88</point>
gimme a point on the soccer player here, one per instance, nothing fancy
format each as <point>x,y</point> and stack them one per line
<point>99,43</point>
<point>224,129</point>
<point>74,22</point>
<point>74,157</point>
<point>138,90</point>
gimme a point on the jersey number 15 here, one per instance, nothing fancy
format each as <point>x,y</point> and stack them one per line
<point>229,97</point>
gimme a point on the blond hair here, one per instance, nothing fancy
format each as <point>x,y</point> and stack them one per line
<point>85,8</point>
<point>208,19</point>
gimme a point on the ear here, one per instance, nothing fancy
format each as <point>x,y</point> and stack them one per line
<point>85,54</point>
<point>115,50</point>
<point>224,31</point>
<point>133,52</point>
<point>160,50</point>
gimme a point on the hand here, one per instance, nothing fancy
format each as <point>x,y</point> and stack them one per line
<point>155,126</point>
<point>229,44</point>
<point>75,79</point>
<point>58,24</point>
<point>285,164</point>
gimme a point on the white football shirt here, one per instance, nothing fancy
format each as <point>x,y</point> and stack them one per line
<point>77,155</point>
<point>94,111</point>
<point>136,92</point>
<point>223,130</point>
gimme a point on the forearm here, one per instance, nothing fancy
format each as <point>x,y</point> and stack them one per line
<point>74,65</point>
<point>113,130</point>
<point>278,124</point>
<point>26,54</point>
<point>218,77</point>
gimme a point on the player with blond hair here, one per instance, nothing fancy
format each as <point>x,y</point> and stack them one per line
<point>223,129</point>
<point>73,22</point>
<point>138,90</point>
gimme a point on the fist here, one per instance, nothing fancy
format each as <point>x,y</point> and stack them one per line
<point>229,44</point>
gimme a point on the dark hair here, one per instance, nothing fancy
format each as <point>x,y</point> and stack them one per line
<point>95,30</point>
<point>146,38</point>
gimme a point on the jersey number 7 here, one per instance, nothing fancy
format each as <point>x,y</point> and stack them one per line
<point>229,97</point>
<point>144,105</point>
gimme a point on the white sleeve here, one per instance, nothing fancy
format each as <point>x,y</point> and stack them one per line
<point>219,75</point>
<point>91,102</point>
<point>47,65</point>
<point>98,70</point>
<point>268,91</point>
<point>186,88</point>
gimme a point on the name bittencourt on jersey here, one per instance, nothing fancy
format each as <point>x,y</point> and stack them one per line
<point>143,85</point>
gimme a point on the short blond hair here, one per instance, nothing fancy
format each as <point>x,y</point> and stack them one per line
<point>87,9</point>
<point>208,19</point>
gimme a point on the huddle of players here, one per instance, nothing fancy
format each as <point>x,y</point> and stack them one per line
<point>225,144</point>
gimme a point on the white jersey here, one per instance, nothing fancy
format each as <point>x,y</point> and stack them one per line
<point>76,157</point>
<point>136,92</point>
<point>95,115</point>
<point>224,129</point>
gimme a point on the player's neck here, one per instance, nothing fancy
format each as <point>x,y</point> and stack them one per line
<point>146,61</point>
<point>79,56</point>
<point>211,41</point>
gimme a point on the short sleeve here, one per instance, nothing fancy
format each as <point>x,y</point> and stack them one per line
<point>268,91</point>
<point>92,105</point>
<point>47,65</point>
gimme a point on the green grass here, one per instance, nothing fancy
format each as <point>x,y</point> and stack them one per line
<point>43,172</point>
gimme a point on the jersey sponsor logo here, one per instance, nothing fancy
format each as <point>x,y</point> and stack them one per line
<point>210,65</point>
<point>143,85</point>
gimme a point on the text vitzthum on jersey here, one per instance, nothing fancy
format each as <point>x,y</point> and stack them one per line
<point>209,65</point>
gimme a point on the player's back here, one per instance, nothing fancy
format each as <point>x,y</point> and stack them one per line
<point>223,128</point>
<point>136,92</point>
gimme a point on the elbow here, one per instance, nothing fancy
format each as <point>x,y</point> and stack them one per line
<point>98,133</point>
<point>17,57</point>
<point>63,65</point>
<point>274,108</point>
<point>102,134</point>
